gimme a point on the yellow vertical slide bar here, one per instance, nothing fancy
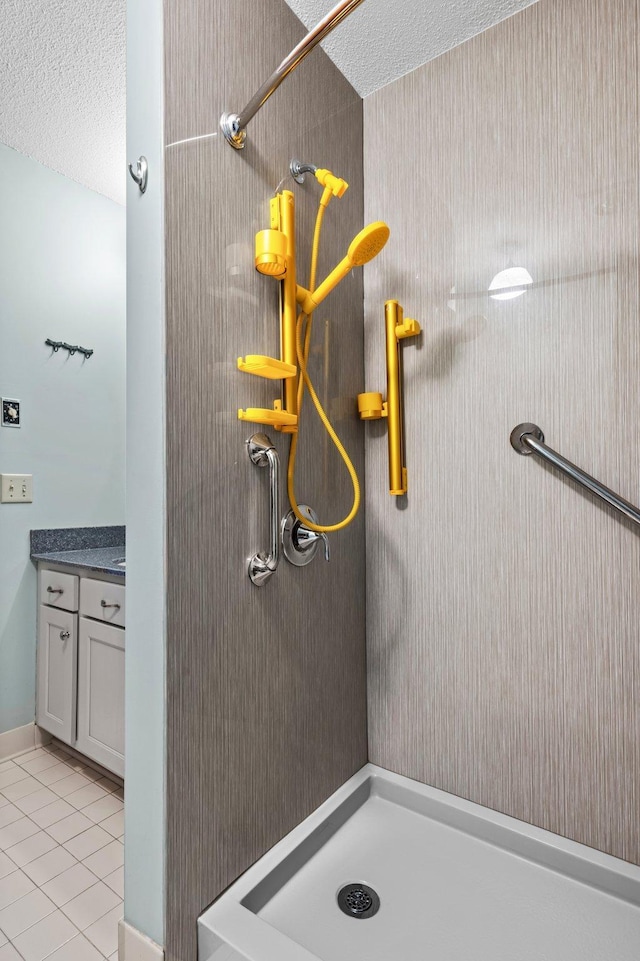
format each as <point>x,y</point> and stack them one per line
<point>289,304</point>
<point>393,316</point>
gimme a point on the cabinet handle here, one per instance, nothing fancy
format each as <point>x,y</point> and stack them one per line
<point>55,590</point>
<point>64,635</point>
<point>104,604</point>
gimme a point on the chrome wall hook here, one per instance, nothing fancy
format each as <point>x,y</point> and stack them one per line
<point>72,348</point>
<point>140,174</point>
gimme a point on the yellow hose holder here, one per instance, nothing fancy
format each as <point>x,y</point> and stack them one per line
<point>371,406</point>
<point>336,185</point>
<point>408,328</point>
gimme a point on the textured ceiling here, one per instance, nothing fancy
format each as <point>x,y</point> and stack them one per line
<point>62,87</point>
<point>62,69</point>
<point>385,39</point>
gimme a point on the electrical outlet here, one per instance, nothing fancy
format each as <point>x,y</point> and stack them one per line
<point>16,488</point>
<point>10,412</point>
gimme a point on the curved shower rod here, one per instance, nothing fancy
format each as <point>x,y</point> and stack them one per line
<point>233,125</point>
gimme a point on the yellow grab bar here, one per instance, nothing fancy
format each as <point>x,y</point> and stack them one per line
<point>371,406</point>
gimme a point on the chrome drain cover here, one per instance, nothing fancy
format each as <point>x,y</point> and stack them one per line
<point>358,900</point>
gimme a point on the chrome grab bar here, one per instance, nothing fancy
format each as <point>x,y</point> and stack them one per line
<point>529,439</point>
<point>263,454</point>
<point>233,125</point>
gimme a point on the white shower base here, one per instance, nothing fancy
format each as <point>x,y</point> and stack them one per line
<point>456,881</point>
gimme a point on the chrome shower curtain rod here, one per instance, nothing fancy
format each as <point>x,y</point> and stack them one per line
<point>233,125</point>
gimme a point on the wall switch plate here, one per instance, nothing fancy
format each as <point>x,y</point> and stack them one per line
<point>16,488</point>
<point>10,412</point>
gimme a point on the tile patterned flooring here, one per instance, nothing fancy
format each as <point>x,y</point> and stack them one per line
<point>61,859</point>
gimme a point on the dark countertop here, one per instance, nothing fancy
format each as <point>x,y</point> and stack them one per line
<point>76,539</point>
<point>93,559</point>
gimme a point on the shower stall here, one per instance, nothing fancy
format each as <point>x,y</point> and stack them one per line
<point>445,878</point>
<point>431,743</point>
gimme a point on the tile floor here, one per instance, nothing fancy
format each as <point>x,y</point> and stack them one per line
<point>61,859</point>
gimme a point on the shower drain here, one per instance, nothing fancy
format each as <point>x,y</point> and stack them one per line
<point>358,900</point>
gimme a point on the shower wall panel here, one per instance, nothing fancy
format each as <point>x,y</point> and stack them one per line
<point>266,688</point>
<point>502,601</point>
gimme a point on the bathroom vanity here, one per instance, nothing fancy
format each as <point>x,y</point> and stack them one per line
<point>80,652</point>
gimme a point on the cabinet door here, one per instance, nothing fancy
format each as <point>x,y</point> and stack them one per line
<point>101,693</point>
<point>57,672</point>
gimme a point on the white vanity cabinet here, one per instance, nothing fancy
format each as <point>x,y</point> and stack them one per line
<point>80,670</point>
<point>57,672</point>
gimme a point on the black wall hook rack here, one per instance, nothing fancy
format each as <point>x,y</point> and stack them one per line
<point>72,348</point>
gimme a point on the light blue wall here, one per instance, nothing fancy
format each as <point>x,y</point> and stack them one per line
<point>145,654</point>
<point>62,275</point>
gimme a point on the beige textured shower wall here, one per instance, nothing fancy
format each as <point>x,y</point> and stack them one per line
<point>503,629</point>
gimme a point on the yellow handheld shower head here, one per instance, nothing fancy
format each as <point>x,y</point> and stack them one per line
<point>368,243</point>
<point>362,249</point>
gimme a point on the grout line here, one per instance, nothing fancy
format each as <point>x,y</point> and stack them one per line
<point>29,926</point>
<point>110,838</point>
<point>64,942</point>
<point>59,908</point>
<point>87,763</point>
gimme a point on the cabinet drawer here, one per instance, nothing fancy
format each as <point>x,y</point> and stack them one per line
<point>102,600</point>
<point>59,590</point>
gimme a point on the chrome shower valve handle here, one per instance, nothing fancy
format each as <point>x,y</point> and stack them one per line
<point>305,539</point>
<point>300,543</point>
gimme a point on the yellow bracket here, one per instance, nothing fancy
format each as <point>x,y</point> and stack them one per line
<point>277,418</point>
<point>275,256</point>
<point>267,367</point>
<point>371,406</point>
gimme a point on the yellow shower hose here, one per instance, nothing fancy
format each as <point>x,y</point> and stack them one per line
<point>305,381</point>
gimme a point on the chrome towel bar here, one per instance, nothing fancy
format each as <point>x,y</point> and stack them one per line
<point>529,439</point>
<point>233,124</point>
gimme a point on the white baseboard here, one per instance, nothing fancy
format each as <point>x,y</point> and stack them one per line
<point>133,945</point>
<point>22,739</point>
<point>42,737</point>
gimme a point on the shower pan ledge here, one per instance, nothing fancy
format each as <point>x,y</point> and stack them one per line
<point>454,880</point>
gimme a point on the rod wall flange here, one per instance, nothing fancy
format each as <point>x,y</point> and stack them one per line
<point>299,169</point>
<point>233,133</point>
<point>518,434</point>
